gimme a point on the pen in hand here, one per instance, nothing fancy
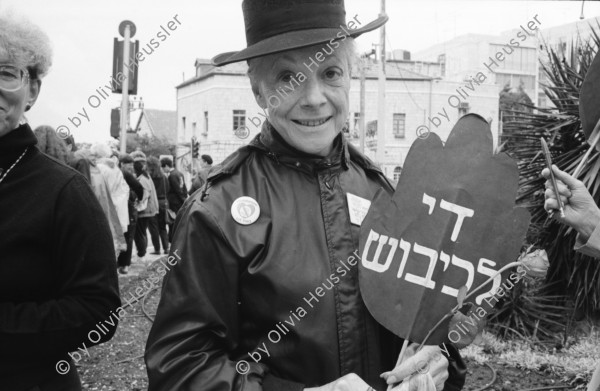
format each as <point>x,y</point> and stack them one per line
<point>552,178</point>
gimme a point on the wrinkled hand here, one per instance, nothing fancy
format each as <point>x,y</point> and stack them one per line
<point>416,367</point>
<point>581,211</point>
<point>350,382</point>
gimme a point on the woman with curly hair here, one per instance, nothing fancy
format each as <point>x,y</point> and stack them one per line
<point>57,271</point>
<point>50,144</point>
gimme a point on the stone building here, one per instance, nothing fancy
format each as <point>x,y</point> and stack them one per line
<point>216,102</point>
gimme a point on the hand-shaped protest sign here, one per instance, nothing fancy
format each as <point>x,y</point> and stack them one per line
<point>451,222</point>
<point>589,99</point>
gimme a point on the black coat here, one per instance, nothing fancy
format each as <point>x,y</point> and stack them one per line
<point>288,280</point>
<point>57,265</point>
<point>176,191</point>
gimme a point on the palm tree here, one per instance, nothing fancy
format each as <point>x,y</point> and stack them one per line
<point>570,272</point>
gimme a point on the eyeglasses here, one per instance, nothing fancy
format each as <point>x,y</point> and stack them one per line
<point>12,78</point>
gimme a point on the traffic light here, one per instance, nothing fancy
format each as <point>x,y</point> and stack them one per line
<point>115,123</point>
<point>195,149</point>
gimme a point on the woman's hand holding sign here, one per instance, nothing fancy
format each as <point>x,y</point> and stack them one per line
<point>425,370</point>
<point>349,382</point>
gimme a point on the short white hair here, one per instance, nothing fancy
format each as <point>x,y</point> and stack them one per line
<point>25,44</point>
<point>257,66</point>
<point>100,150</point>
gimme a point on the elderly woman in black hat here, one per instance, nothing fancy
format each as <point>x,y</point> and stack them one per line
<point>266,294</point>
<point>57,268</point>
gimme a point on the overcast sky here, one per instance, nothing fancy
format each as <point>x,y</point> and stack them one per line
<point>82,34</point>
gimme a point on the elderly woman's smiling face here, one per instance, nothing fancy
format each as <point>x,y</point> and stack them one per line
<point>14,103</point>
<point>307,112</point>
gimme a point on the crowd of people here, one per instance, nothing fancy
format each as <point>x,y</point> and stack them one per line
<point>138,194</point>
<point>261,230</point>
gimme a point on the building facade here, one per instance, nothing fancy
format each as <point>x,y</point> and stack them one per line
<point>217,107</point>
<point>469,54</point>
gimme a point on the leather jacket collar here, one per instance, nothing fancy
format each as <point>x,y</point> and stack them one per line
<point>270,142</point>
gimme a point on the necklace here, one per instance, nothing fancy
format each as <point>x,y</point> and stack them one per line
<point>14,164</point>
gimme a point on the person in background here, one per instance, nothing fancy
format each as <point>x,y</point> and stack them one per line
<point>177,192</point>
<point>158,224</point>
<point>200,178</point>
<point>50,144</point>
<point>136,193</point>
<point>77,162</point>
<point>583,215</point>
<point>147,208</point>
<point>57,274</point>
<point>117,186</point>
<point>102,192</point>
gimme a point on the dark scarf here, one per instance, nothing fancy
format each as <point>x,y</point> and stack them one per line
<point>14,143</point>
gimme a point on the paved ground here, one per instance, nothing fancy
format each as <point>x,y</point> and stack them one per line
<point>139,265</point>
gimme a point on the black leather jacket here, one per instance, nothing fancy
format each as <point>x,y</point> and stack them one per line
<point>285,283</point>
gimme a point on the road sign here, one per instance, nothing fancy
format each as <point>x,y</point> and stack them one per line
<point>131,28</point>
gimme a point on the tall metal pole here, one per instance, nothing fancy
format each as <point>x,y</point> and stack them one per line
<point>361,119</point>
<point>381,96</point>
<point>125,93</point>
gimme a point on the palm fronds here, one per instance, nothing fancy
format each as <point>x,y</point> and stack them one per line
<point>570,272</point>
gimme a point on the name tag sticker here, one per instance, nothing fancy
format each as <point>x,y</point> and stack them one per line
<point>358,208</point>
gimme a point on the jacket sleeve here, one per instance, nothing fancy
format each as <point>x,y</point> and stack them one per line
<point>83,166</point>
<point>147,189</point>
<point>592,246</point>
<point>178,184</point>
<point>86,283</point>
<point>457,369</point>
<point>134,185</point>
<point>167,186</point>
<point>196,184</point>
<point>194,341</point>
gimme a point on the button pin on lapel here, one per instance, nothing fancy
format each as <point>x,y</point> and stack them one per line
<point>245,210</point>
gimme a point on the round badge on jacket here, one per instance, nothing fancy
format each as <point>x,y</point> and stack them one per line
<point>245,210</point>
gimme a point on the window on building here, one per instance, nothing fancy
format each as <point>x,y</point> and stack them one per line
<point>239,119</point>
<point>527,81</point>
<point>205,122</point>
<point>194,129</point>
<point>463,109</point>
<point>442,60</point>
<point>371,129</point>
<point>518,59</point>
<point>356,121</point>
<point>418,67</point>
<point>183,122</point>
<point>562,49</point>
<point>399,125</point>
<point>397,172</point>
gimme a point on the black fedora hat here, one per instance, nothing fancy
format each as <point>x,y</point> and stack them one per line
<point>274,26</point>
